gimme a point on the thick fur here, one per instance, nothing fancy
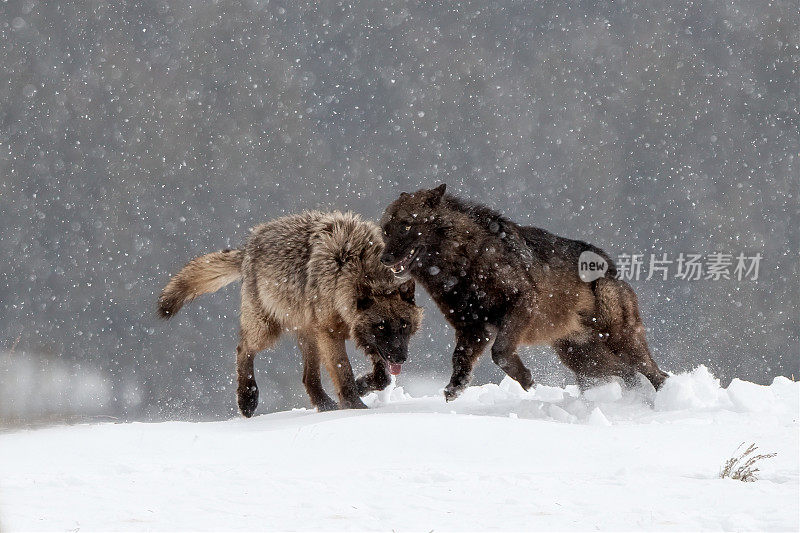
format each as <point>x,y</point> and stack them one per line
<point>316,275</point>
<point>204,274</point>
<point>503,285</point>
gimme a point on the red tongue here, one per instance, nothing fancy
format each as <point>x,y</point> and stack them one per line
<point>394,368</point>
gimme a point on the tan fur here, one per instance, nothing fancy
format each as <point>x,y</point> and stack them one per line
<point>204,274</point>
<point>563,303</point>
<point>318,276</point>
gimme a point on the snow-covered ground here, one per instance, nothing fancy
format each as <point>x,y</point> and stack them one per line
<point>497,458</point>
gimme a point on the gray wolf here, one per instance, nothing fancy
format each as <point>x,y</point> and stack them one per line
<point>317,276</point>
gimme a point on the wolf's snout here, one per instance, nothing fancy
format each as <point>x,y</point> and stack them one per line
<point>388,259</point>
<point>397,353</point>
<point>397,359</point>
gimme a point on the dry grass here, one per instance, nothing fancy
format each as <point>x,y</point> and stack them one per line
<point>742,465</point>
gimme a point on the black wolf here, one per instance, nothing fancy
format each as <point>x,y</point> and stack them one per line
<point>505,285</point>
<point>316,275</point>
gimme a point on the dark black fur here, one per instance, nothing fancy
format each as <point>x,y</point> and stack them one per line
<point>502,284</point>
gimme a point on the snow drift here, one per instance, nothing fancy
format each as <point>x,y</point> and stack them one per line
<point>498,458</point>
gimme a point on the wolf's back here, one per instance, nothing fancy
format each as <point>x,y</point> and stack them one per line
<point>204,274</point>
<point>542,244</point>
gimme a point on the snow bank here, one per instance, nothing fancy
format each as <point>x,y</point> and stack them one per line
<point>498,458</point>
<point>691,392</point>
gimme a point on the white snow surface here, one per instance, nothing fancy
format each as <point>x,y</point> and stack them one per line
<point>497,458</point>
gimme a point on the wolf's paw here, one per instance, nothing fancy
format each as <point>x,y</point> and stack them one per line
<point>371,382</point>
<point>364,385</point>
<point>658,379</point>
<point>451,392</point>
<point>527,382</point>
<point>247,398</point>
<point>355,403</point>
<point>327,405</point>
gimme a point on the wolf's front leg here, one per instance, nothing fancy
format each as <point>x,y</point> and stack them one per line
<point>311,378</point>
<point>378,379</point>
<point>469,346</point>
<point>333,353</point>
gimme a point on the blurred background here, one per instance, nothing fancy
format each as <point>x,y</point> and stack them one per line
<point>137,135</point>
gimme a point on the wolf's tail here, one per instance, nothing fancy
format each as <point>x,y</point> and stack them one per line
<point>204,274</point>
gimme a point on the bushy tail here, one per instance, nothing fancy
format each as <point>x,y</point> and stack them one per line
<point>204,274</point>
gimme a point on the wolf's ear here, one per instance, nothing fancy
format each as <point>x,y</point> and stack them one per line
<point>404,195</point>
<point>435,195</point>
<point>406,290</point>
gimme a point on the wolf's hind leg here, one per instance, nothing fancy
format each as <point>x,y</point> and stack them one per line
<point>591,359</point>
<point>334,355</point>
<point>311,376</point>
<point>619,310</point>
<point>377,379</point>
<point>257,332</point>
<point>634,346</point>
